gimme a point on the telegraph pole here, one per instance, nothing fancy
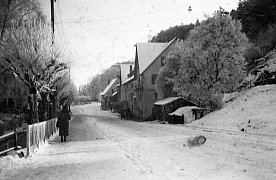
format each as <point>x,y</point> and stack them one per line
<point>53,18</point>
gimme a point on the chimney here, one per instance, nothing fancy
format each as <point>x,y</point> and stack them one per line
<point>130,69</point>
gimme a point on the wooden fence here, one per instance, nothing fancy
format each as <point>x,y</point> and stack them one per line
<point>9,142</point>
<point>38,133</point>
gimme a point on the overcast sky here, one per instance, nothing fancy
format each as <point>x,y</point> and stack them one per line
<point>103,32</point>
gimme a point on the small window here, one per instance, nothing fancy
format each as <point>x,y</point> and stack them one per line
<point>153,78</point>
<point>162,61</point>
<point>140,80</point>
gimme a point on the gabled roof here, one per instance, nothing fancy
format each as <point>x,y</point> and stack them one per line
<point>125,70</point>
<point>108,87</point>
<point>148,52</point>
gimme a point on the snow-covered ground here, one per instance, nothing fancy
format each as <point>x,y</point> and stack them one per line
<point>253,110</point>
<point>101,146</point>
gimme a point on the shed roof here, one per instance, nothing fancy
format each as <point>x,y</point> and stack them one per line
<point>108,86</point>
<point>184,110</point>
<point>166,100</point>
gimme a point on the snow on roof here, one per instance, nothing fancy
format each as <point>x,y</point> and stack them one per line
<point>184,110</point>
<point>108,87</point>
<point>127,80</point>
<point>114,94</point>
<point>166,100</point>
<point>125,70</point>
<point>148,52</point>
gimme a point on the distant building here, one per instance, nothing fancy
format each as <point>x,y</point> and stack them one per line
<point>109,94</point>
<point>125,76</point>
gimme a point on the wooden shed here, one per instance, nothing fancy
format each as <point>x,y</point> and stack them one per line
<point>168,105</point>
<point>185,115</point>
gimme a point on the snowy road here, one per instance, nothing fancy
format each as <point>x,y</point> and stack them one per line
<point>101,146</point>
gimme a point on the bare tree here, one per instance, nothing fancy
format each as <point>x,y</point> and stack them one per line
<point>28,53</point>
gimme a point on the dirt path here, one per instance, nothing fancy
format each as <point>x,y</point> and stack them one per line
<point>101,146</point>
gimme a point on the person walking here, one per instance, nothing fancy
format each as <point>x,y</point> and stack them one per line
<point>63,123</point>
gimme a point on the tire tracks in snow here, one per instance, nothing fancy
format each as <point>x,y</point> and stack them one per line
<point>123,144</point>
<point>145,154</point>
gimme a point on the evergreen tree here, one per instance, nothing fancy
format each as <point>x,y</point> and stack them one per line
<point>255,15</point>
<point>180,32</point>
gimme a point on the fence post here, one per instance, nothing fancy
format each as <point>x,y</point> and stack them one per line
<point>15,139</point>
<point>28,139</point>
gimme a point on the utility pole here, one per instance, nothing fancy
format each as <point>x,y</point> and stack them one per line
<point>53,18</point>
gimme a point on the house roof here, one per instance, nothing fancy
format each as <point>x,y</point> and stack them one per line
<point>171,99</point>
<point>125,70</point>
<point>114,94</point>
<point>128,80</point>
<point>148,52</point>
<point>108,86</point>
<point>166,100</point>
<point>184,110</point>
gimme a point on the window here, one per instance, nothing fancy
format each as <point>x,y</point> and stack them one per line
<point>140,80</point>
<point>153,78</point>
<point>162,61</point>
<point>155,96</point>
<point>112,91</point>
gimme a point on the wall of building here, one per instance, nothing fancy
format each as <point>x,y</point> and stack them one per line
<point>144,106</point>
<point>127,95</point>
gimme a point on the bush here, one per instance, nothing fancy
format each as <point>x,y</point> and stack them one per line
<point>215,102</point>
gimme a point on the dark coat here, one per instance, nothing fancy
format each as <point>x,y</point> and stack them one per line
<point>63,123</point>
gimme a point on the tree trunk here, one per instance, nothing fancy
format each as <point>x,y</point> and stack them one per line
<point>45,106</point>
<point>53,106</point>
<point>35,102</point>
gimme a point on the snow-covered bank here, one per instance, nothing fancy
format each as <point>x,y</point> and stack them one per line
<point>253,111</point>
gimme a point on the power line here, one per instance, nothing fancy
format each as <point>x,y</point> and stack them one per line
<point>122,17</point>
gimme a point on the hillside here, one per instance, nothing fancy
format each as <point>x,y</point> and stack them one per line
<point>253,111</point>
